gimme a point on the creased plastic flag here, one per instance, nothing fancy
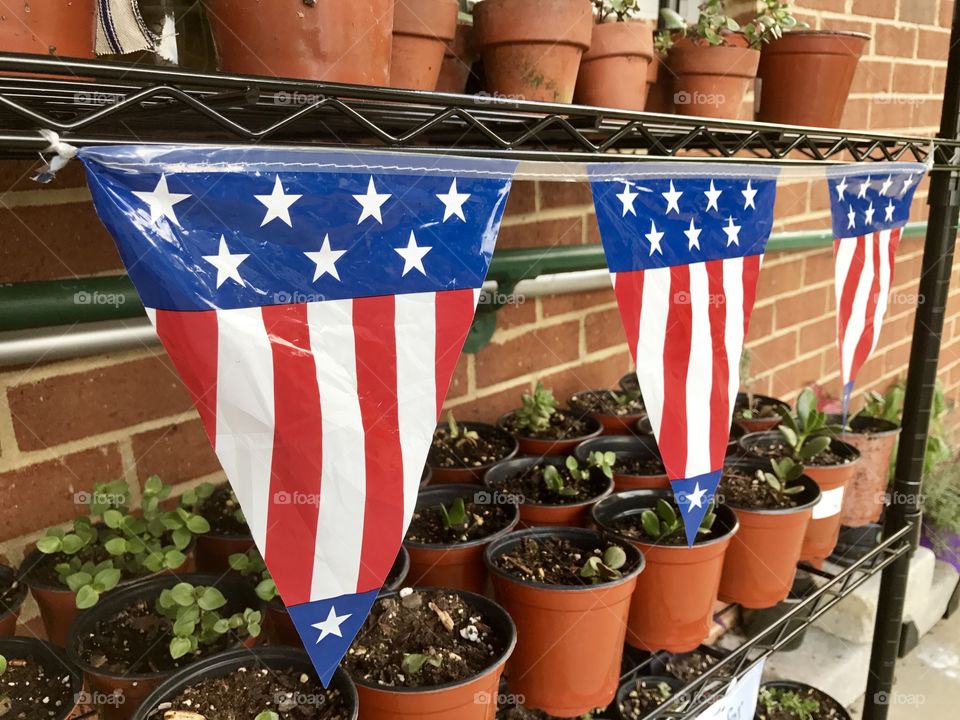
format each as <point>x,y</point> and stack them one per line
<point>684,244</point>
<point>315,304</point>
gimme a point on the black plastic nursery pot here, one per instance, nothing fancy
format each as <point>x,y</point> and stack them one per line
<point>455,565</point>
<point>569,638</point>
<point>474,474</point>
<point>627,448</point>
<point>54,660</point>
<point>533,514</point>
<point>803,690</point>
<point>627,707</point>
<point>474,698</point>
<point>756,621</point>
<point>613,424</point>
<point>228,663</point>
<point>10,609</point>
<point>118,695</point>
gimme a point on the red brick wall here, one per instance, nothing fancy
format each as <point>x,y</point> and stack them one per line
<point>66,425</point>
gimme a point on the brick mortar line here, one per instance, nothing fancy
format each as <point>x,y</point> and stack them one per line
<point>564,212</point>
<point>504,335</point>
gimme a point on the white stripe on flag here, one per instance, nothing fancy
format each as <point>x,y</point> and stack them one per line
<point>883,300</point>
<point>343,485</point>
<point>699,373</point>
<point>245,412</point>
<point>151,316</point>
<point>733,329</point>
<point>416,327</point>
<point>653,330</point>
<point>858,311</point>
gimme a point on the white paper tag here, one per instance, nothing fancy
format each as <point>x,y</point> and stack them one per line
<point>831,502</point>
<point>740,700</point>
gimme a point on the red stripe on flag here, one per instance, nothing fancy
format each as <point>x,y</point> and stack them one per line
<point>190,339</point>
<point>676,360</point>
<point>866,337</point>
<point>454,314</point>
<point>376,347</point>
<point>720,388</point>
<point>850,290</point>
<point>629,291</point>
<point>751,273</point>
<point>295,474</point>
<point>895,236</point>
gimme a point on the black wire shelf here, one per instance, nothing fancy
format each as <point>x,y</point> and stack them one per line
<point>88,102</point>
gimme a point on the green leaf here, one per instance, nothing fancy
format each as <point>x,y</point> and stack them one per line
<point>116,546</point>
<point>254,629</point>
<point>239,562</point>
<point>211,599</point>
<point>49,544</point>
<point>3,664</point>
<point>651,523</point>
<point>789,435</point>
<point>198,525</point>
<point>174,559</point>
<point>221,626</point>
<point>166,601</point>
<point>112,518</point>
<point>107,578</point>
<point>87,597</point>
<point>181,538</point>
<point>71,544</point>
<point>78,580</point>
<point>266,590</point>
<point>267,715</point>
<point>614,557</point>
<point>182,594</point>
<point>813,447</point>
<point>666,513</point>
<point>179,647</point>
<point>806,406</point>
<point>153,485</point>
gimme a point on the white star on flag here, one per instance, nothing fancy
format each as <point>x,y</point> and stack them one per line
<point>696,497</point>
<point>851,218</point>
<point>886,185</point>
<point>733,233</point>
<point>713,195</point>
<point>907,182</point>
<point>278,204</point>
<point>326,259</point>
<point>654,236</point>
<point>371,203</point>
<point>226,263</point>
<point>453,202</point>
<point>749,197</point>
<point>331,626</point>
<point>672,197</point>
<point>869,214</point>
<point>862,193</point>
<point>841,189</point>
<point>888,211</point>
<point>413,255</point>
<point>693,235</point>
<point>627,198</point>
<point>161,201</point>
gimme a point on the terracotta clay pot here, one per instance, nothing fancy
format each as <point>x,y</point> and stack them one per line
<point>569,638</point>
<point>875,438</point>
<point>132,688</point>
<point>642,448</point>
<point>757,424</point>
<point>421,31</point>
<point>712,80</point>
<point>672,606</point>
<point>442,475</point>
<point>330,40</point>
<point>10,612</point>
<point>536,514</point>
<point>459,566</point>
<point>458,59</point>
<point>472,699</point>
<point>805,76</point>
<point>612,424</point>
<point>659,86</point>
<point>53,659</point>
<point>761,562</point>
<point>48,28</point>
<point>220,666</point>
<point>532,48</point>
<point>562,446</point>
<point>213,551</point>
<point>613,72</point>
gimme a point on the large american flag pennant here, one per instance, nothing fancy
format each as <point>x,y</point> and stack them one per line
<point>315,304</point>
<point>869,207</point>
<point>684,246</point>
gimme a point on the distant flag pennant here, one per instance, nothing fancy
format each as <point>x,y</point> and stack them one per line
<point>315,304</point>
<point>869,205</point>
<point>684,247</point>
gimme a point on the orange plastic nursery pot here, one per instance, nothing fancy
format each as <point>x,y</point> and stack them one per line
<point>11,603</point>
<point>672,606</point>
<point>474,698</point>
<point>532,48</point>
<point>569,639</point>
<point>561,446</point>
<point>440,475</point>
<point>627,449</point>
<point>458,59</point>
<point>48,28</point>
<point>613,424</point>
<point>875,438</point>
<point>712,80</point>
<point>459,566</point>
<point>805,76</point>
<point>329,40</point>
<point>422,30</point>
<point>533,514</point>
<point>761,562</point>
<point>613,72</point>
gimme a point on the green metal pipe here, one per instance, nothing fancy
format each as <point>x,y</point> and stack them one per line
<point>64,302</point>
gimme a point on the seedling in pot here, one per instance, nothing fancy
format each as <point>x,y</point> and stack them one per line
<point>664,524</point>
<point>621,10</point>
<point>413,662</point>
<point>455,516</point>
<point>662,42</point>
<point>808,434</point>
<point>785,472</point>
<point>251,565</point>
<point>536,409</point>
<point>194,614</point>
<point>712,24</point>
<point>600,569</point>
<point>193,500</point>
<point>460,436</point>
<point>800,708</point>
<point>775,17</point>
<point>553,478</point>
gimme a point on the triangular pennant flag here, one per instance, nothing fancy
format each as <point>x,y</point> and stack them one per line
<point>869,207</point>
<point>684,247</point>
<point>315,304</point>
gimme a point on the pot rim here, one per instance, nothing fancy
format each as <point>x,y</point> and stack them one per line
<point>461,490</point>
<point>121,597</point>
<point>560,532</point>
<point>730,517</point>
<point>20,596</point>
<point>578,438</point>
<point>828,31</point>
<point>486,606</point>
<point>644,444</point>
<point>487,428</point>
<point>46,649</point>
<point>835,444</point>
<point>627,418</point>
<point>558,460</point>
<point>265,654</point>
<point>894,428</point>
<point>758,464</point>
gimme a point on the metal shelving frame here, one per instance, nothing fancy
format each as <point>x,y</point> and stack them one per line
<point>89,102</point>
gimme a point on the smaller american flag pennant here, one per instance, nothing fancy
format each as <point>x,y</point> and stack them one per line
<point>315,304</point>
<point>684,245</point>
<point>869,206</point>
